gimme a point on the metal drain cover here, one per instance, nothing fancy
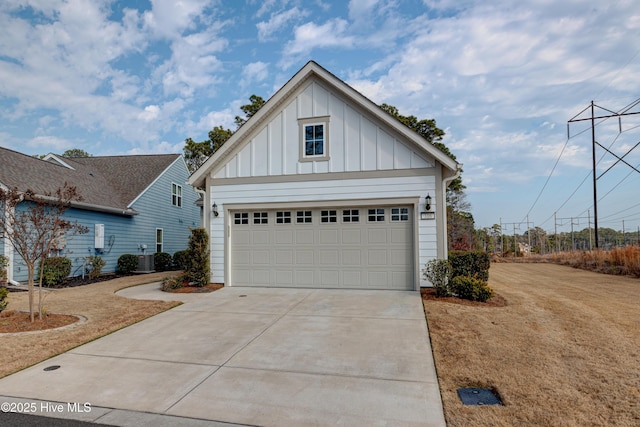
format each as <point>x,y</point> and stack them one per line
<point>478,396</point>
<point>51,368</point>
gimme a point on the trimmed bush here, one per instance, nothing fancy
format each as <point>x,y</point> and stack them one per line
<point>470,288</point>
<point>438,272</point>
<point>469,263</point>
<point>3,298</point>
<point>162,261</point>
<point>171,283</point>
<point>127,263</point>
<point>4,264</point>
<point>94,266</point>
<point>181,260</point>
<point>54,270</point>
<point>198,266</point>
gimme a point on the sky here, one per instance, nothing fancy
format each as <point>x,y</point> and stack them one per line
<point>502,78</point>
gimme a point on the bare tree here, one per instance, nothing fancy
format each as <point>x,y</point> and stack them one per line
<point>32,223</point>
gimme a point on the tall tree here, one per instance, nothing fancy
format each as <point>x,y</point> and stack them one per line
<point>196,153</point>
<point>32,223</point>
<point>75,152</point>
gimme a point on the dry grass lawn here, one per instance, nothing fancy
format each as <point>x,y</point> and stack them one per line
<point>565,350</point>
<point>105,313</point>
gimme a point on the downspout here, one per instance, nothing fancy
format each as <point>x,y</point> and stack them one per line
<point>445,185</point>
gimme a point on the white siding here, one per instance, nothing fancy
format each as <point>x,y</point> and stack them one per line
<point>355,142</point>
<point>318,191</point>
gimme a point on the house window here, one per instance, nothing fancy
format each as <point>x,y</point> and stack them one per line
<point>283,217</point>
<point>260,217</point>
<point>376,215</point>
<point>159,239</point>
<point>303,217</point>
<point>176,195</point>
<point>314,138</point>
<point>328,216</point>
<point>399,214</point>
<point>350,215</point>
<point>241,218</point>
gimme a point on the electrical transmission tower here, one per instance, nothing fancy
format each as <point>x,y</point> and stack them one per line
<point>627,111</point>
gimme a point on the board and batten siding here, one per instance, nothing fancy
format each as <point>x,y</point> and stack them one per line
<point>323,193</point>
<point>355,142</point>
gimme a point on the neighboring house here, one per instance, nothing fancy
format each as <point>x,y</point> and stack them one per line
<point>131,204</point>
<point>323,189</point>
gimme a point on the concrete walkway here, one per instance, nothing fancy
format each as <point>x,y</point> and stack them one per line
<point>250,356</point>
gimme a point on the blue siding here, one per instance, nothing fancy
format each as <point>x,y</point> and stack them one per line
<point>125,235</point>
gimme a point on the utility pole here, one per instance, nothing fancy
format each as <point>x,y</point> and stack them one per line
<point>592,119</point>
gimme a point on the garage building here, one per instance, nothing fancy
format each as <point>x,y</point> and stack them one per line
<point>323,189</point>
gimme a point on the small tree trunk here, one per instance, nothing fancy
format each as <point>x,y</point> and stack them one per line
<point>30,275</point>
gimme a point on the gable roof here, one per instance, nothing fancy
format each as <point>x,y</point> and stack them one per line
<point>314,70</point>
<point>110,183</point>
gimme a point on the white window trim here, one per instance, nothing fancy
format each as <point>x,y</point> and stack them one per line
<point>161,242</point>
<point>320,120</point>
<point>177,195</point>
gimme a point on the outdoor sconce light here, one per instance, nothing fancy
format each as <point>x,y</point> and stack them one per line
<point>427,214</point>
<point>215,209</point>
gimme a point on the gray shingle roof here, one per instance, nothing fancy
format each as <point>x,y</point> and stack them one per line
<point>111,182</point>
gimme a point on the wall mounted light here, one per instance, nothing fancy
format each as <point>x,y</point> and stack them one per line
<point>427,214</point>
<point>215,209</point>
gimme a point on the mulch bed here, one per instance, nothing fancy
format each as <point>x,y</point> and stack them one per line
<point>19,321</point>
<point>429,294</point>
<point>197,289</point>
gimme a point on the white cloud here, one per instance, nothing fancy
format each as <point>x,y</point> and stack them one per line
<point>254,72</point>
<point>310,36</point>
<point>169,18</point>
<point>49,143</point>
<point>277,21</point>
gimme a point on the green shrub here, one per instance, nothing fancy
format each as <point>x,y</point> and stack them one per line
<point>181,260</point>
<point>94,266</point>
<point>198,265</point>
<point>54,270</point>
<point>470,288</point>
<point>162,261</point>
<point>4,264</point>
<point>469,263</point>
<point>171,283</point>
<point>438,272</point>
<point>127,263</point>
<point>3,298</point>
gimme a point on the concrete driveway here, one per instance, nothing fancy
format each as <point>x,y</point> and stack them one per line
<point>250,356</point>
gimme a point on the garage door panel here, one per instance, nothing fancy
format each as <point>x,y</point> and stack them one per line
<point>261,257</point>
<point>284,257</point>
<point>305,257</point>
<point>352,257</point>
<point>377,236</point>
<point>305,237</point>
<point>328,236</point>
<point>352,279</point>
<point>377,257</point>
<point>330,278</point>
<point>374,252</point>
<point>351,237</point>
<point>329,256</point>
<point>284,237</point>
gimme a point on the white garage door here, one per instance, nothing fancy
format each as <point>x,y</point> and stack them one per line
<point>346,247</point>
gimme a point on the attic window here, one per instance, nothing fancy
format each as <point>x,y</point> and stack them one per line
<point>314,139</point>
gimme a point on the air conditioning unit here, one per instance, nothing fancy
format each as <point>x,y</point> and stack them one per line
<point>146,264</point>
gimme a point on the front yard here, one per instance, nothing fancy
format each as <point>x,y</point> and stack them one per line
<point>105,313</point>
<point>565,350</point>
